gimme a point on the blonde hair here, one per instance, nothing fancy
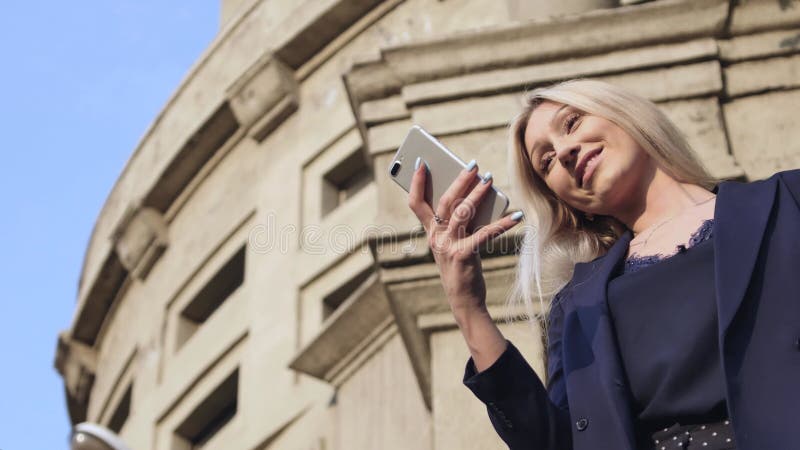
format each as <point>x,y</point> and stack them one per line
<point>556,236</point>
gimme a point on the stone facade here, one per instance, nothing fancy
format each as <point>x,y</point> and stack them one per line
<point>256,281</point>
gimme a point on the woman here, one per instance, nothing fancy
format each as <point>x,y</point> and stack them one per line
<point>676,316</point>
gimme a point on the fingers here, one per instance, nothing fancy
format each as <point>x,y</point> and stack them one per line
<point>494,229</point>
<point>457,190</point>
<point>466,209</point>
<point>416,195</point>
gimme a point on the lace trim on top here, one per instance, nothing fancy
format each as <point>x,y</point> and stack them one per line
<point>635,262</point>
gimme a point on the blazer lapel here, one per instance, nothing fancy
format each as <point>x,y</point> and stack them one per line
<point>740,218</point>
<point>589,282</point>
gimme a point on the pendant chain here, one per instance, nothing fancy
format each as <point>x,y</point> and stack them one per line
<point>669,220</point>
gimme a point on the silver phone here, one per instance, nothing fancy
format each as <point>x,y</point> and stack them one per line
<point>443,168</point>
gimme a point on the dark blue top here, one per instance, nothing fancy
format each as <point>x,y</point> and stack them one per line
<point>681,379</point>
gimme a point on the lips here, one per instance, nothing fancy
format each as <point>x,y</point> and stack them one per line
<point>581,167</point>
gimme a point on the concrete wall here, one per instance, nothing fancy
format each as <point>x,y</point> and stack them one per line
<point>337,339</point>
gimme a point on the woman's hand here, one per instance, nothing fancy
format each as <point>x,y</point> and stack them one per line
<point>455,250</point>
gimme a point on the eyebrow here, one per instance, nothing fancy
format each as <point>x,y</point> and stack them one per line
<point>537,144</point>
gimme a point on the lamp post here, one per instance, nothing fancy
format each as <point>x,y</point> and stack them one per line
<point>90,436</point>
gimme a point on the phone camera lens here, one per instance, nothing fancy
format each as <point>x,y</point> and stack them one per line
<point>395,168</point>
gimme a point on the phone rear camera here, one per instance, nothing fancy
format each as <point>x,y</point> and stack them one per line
<point>395,168</point>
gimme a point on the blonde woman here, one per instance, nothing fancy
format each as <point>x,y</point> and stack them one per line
<point>675,312</point>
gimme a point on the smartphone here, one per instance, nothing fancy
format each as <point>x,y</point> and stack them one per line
<point>443,168</point>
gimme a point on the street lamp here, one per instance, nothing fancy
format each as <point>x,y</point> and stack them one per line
<point>90,436</point>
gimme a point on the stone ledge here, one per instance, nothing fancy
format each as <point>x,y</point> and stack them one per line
<point>319,22</point>
<point>434,322</point>
<point>195,152</point>
<point>386,137</point>
<point>764,75</point>
<point>383,110</point>
<point>178,395</point>
<point>345,329</point>
<point>411,297</point>
<point>598,31</point>
<point>500,80</point>
<point>684,81</point>
<point>762,45</point>
<point>91,313</point>
<point>757,15</point>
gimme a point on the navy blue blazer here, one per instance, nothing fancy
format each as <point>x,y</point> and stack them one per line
<point>586,405</point>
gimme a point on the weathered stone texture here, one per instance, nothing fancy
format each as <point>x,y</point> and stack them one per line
<point>764,133</point>
<point>760,45</point>
<point>341,340</point>
<point>383,394</point>
<point>763,75</point>
<point>701,122</point>
<point>459,421</point>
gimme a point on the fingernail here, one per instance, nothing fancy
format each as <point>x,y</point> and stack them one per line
<point>487,177</point>
<point>471,165</point>
<point>416,164</point>
<point>517,216</point>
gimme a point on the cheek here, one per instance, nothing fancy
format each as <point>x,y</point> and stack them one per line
<point>560,184</point>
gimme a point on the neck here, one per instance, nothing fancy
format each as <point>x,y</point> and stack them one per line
<point>660,199</point>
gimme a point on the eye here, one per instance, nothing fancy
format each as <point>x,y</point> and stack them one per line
<point>545,162</point>
<point>569,124</point>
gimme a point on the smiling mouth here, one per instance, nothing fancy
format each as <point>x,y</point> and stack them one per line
<point>581,168</point>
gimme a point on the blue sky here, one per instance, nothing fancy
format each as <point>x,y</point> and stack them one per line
<point>81,82</point>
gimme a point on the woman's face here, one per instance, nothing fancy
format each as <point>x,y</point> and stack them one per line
<point>586,160</point>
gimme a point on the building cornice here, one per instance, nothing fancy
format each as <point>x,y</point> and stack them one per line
<point>196,122</point>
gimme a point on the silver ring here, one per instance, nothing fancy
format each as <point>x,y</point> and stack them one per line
<point>438,219</point>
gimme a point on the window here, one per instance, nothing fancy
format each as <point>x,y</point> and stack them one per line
<point>344,180</point>
<point>334,300</point>
<point>120,415</point>
<point>224,283</point>
<point>210,416</point>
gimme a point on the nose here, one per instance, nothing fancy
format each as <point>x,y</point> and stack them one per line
<point>567,153</point>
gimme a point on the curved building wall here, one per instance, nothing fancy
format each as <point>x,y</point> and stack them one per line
<point>256,281</point>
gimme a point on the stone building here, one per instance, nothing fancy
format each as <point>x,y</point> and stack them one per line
<point>239,292</point>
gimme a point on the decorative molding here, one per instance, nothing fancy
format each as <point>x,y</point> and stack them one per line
<point>757,15</point>
<point>76,362</point>
<point>198,149</point>
<point>264,96</point>
<point>416,291</point>
<point>322,21</point>
<point>347,328</point>
<point>586,34</point>
<point>757,46</point>
<point>754,77</point>
<point>99,300</point>
<point>519,78</point>
<point>140,239</point>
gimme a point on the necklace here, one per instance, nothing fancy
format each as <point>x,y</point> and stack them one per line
<point>669,220</point>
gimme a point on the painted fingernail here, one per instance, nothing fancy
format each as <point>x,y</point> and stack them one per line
<point>487,177</point>
<point>471,165</point>
<point>416,164</point>
<point>517,216</point>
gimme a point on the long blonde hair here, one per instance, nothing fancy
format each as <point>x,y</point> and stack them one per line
<point>556,236</point>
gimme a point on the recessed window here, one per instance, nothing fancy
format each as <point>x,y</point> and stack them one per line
<point>224,283</point>
<point>122,411</point>
<point>334,300</point>
<point>344,180</point>
<point>210,416</point>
